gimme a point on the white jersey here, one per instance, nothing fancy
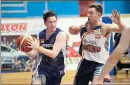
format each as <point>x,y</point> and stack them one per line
<point>94,46</point>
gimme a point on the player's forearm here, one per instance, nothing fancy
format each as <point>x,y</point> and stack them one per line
<point>118,28</point>
<point>111,62</point>
<point>121,26</point>
<point>47,52</point>
<point>33,53</point>
<point>74,30</point>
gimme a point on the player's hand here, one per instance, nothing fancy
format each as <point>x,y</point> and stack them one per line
<point>34,43</point>
<point>74,30</point>
<point>116,17</point>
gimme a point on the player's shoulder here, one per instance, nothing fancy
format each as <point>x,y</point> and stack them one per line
<point>62,33</point>
<point>105,26</point>
<point>42,31</point>
<point>62,36</point>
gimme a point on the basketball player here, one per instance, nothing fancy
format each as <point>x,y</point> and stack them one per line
<point>121,48</point>
<point>52,49</point>
<point>86,27</point>
<point>93,41</point>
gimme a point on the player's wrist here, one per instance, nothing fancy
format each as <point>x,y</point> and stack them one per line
<point>37,47</point>
<point>120,24</point>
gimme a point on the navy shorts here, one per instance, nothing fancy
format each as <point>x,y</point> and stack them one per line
<point>86,71</point>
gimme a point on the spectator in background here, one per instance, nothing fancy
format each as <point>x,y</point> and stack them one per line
<point>17,64</point>
<point>28,65</point>
<point>33,65</point>
<point>5,41</point>
<point>13,44</point>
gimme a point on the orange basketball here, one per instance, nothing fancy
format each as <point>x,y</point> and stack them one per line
<point>22,42</point>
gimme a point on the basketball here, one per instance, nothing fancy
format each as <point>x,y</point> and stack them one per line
<point>22,44</point>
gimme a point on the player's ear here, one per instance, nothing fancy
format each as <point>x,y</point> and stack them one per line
<point>56,20</point>
<point>99,14</point>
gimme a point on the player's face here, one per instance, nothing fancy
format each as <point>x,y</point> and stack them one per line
<point>51,22</point>
<point>93,15</point>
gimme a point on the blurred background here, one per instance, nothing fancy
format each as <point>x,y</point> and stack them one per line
<point>19,17</point>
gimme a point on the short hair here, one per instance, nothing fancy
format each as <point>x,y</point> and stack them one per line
<point>97,6</point>
<point>48,14</point>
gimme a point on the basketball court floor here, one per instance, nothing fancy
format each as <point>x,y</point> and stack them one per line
<point>25,78</point>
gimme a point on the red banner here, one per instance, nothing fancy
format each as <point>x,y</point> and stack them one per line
<point>13,27</point>
<point>84,6</point>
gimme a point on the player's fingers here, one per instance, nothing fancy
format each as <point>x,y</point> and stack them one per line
<point>29,42</point>
<point>112,18</point>
<point>113,13</point>
<point>29,46</point>
<point>118,14</point>
<point>34,38</point>
<point>71,29</point>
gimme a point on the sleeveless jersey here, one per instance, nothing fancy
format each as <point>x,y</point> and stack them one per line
<point>94,46</point>
<point>48,66</point>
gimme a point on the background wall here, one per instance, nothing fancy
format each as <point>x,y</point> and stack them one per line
<point>63,8</point>
<point>120,5</point>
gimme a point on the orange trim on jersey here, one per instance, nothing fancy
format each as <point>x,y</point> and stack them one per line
<point>85,34</point>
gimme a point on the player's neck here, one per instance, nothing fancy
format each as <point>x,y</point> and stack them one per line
<point>50,31</point>
<point>94,24</point>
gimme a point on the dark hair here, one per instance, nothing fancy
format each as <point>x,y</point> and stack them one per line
<point>49,13</point>
<point>97,6</point>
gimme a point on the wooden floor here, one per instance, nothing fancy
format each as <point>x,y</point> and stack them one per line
<point>25,78</point>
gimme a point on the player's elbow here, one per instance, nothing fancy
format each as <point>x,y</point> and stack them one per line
<point>53,55</point>
<point>120,30</point>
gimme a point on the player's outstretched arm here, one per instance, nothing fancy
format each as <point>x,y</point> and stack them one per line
<point>118,26</point>
<point>74,30</point>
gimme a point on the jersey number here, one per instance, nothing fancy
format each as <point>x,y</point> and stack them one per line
<point>98,36</point>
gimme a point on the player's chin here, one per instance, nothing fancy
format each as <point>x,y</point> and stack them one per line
<point>53,28</point>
